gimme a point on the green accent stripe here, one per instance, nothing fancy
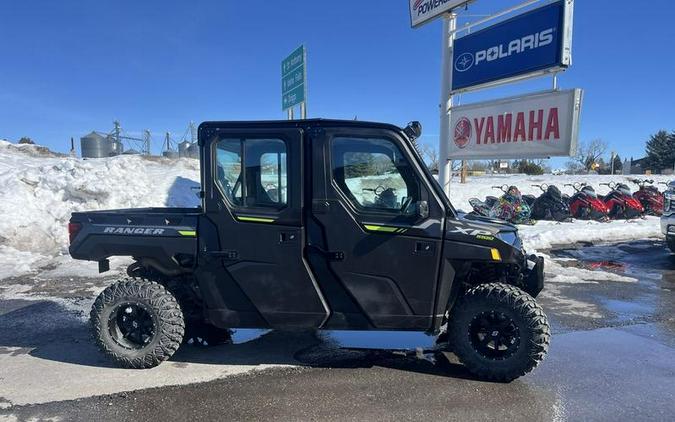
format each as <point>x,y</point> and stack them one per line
<point>255,219</point>
<point>384,229</point>
<point>191,233</point>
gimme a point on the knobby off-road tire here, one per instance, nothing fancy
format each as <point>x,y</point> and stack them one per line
<point>511,314</point>
<point>149,305</point>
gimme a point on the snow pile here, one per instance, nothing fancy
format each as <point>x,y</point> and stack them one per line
<point>39,190</point>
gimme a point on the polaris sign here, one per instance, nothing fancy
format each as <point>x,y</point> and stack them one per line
<point>530,44</point>
<point>533,126</point>
<point>422,11</point>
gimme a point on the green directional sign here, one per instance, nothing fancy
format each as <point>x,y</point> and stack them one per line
<point>293,79</point>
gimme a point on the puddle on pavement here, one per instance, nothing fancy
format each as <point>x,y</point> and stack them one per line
<point>644,259</point>
<point>647,261</point>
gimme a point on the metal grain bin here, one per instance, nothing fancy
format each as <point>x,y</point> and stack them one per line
<point>183,149</point>
<point>193,151</point>
<point>95,145</point>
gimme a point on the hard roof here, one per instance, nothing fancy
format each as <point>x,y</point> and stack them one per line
<point>300,123</point>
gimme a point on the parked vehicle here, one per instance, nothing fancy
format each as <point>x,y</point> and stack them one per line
<point>319,252</point>
<point>668,217</point>
<point>550,205</point>
<point>586,205</point>
<point>649,196</point>
<point>510,207</point>
<point>621,203</point>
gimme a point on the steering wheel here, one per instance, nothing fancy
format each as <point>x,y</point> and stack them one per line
<point>379,190</point>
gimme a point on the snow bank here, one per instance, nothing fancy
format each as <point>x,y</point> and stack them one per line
<point>38,193</point>
<point>546,234</point>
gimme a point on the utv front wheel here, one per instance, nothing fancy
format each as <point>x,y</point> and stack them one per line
<point>138,323</point>
<point>498,332</point>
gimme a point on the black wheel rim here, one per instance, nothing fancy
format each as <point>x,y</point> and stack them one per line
<point>131,326</point>
<point>494,335</point>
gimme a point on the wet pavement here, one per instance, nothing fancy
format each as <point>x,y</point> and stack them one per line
<point>612,357</point>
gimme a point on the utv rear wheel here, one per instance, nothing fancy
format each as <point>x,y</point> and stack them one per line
<point>138,323</point>
<point>498,332</point>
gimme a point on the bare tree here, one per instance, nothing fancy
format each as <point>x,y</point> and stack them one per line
<point>588,155</point>
<point>429,155</point>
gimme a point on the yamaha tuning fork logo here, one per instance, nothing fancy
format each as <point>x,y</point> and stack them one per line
<point>462,132</point>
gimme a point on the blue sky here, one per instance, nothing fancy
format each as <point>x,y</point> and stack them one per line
<point>70,67</point>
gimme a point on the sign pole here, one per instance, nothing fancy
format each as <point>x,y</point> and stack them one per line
<point>445,165</point>
<point>290,113</point>
<point>303,110</point>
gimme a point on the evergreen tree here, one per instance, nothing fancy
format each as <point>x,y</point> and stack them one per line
<point>618,164</point>
<point>661,150</point>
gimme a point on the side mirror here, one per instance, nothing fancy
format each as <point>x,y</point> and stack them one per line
<point>423,209</point>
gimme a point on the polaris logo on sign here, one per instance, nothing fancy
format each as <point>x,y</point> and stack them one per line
<point>526,45</point>
<point>422,11</point>
<point>534,126</point>
<point>529,42</point>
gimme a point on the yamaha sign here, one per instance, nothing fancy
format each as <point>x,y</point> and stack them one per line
<point>530,44</point>
<point>539,125</point>
<point>422,11</point>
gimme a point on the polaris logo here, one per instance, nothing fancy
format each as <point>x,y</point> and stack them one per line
<point>146,231</point>
<point>466,61</point>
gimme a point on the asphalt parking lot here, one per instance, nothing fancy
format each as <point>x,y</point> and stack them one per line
<point>612,357</point>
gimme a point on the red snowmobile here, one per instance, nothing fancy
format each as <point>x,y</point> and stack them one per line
<point>649,196</point>
<point>620,202</point>
<point>586,205</point>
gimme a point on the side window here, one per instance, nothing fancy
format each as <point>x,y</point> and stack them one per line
<point>374,174</point>
<point>252,172</point>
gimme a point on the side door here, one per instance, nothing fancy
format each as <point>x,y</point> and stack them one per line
<point>253,201</point>
<point>381,225</point>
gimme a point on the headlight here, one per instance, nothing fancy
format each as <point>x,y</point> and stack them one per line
<point>510,238</point>
<point>668,196</point>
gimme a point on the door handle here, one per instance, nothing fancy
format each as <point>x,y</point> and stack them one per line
<point>287,237</point>
<point>424,248</point>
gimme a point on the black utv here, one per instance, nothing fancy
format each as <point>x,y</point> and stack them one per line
<point>320,224</point>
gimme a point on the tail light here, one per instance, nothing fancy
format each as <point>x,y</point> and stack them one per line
<point>73,230</point>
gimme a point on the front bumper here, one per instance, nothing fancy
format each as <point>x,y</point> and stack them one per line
<point>534,275</point>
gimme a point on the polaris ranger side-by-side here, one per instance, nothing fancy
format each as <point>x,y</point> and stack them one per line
<point>321,224</point>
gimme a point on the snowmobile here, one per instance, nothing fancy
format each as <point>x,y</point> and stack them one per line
<point>621,203</point>
<point>510,207</point>
<point>586,205</point>
<point>550,205</point>
<point>649,196</point>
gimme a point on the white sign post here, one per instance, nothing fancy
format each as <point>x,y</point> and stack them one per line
<point>538,125</point>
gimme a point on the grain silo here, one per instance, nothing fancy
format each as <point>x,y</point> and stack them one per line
<point>193,150</point>
<point>183,149</point>
<point>95,145</point>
